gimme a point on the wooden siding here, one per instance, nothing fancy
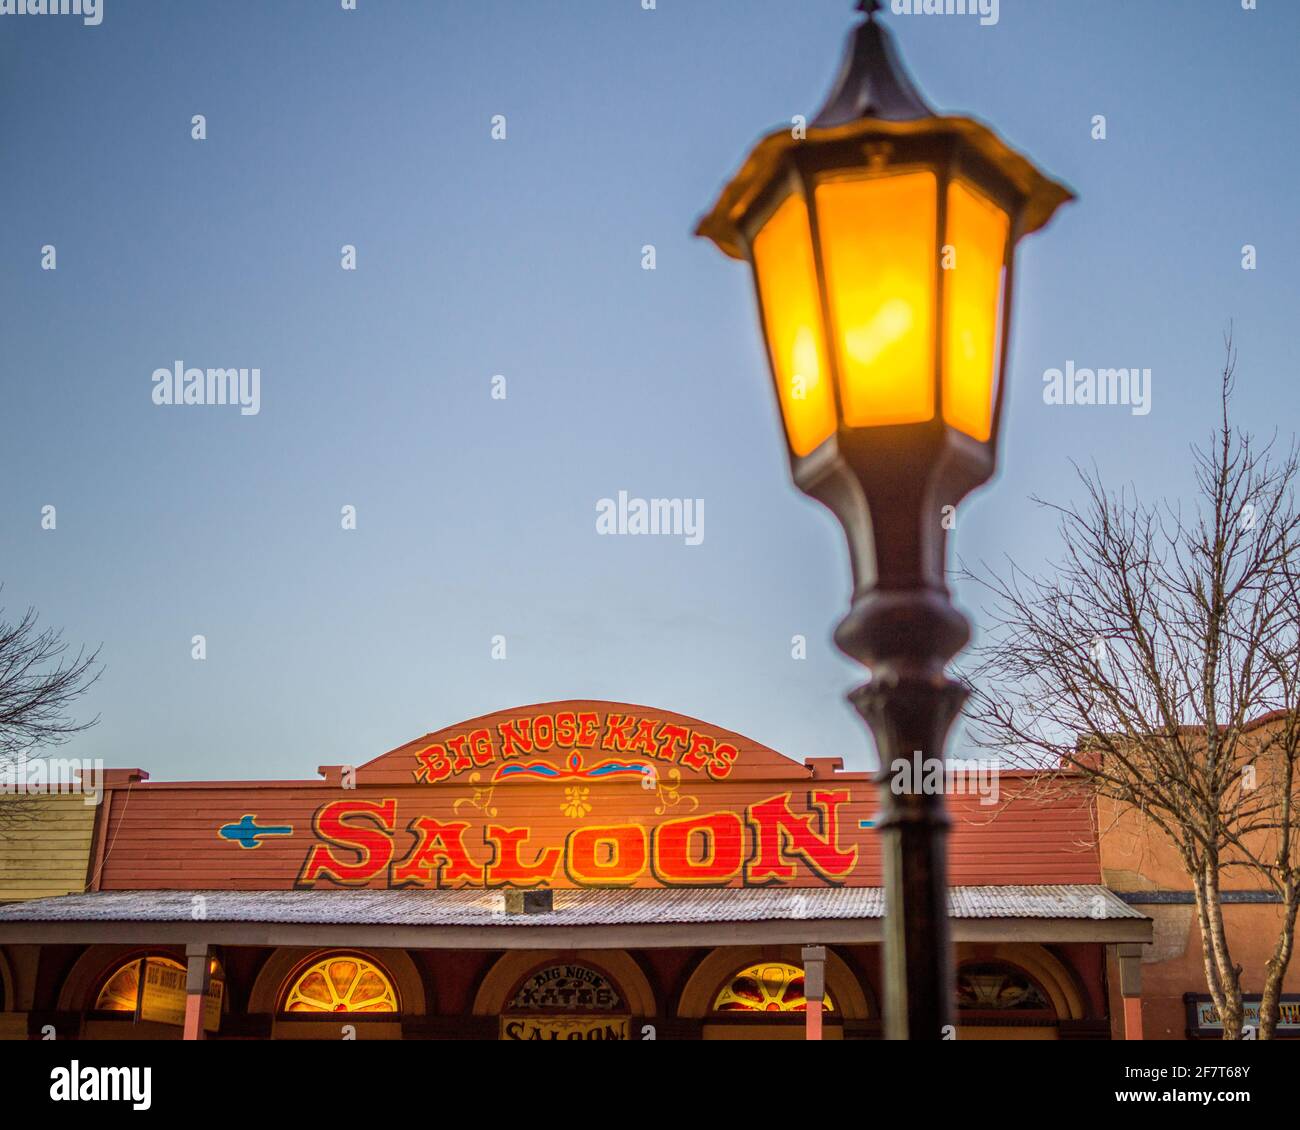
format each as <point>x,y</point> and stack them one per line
<point>47,853</point>
<point>169,835</point>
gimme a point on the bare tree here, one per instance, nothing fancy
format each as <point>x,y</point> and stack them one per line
<point>39,682</point>
<point>1142,662</point>
<point>1275,848</point>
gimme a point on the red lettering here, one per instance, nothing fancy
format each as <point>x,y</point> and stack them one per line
<point>566,729</point>
<point>543,723</point>
<point>644,740</point>
<point>370,840</point>
<point>700,744</point>
<point>588,731</point>
<point>457,746</point>
<point>432,764</point>
<point>722,836</point>
<point>724,757</point>
<point>778,832</point>
<point>624,860</point>
<point>507,868</point>
<point>480,747</point>
<point>618,728</point>
<point>439,846</point>
<point>670,737</point>
<point>516,732</point>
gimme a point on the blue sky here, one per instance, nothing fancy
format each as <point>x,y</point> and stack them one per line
<point>522,257</point>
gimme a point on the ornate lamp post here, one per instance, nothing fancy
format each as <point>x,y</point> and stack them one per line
<point>881,245</point>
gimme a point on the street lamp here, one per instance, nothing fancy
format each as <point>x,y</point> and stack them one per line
<point>881,241</point>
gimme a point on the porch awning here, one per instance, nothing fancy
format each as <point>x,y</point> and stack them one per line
<point>478,919</point>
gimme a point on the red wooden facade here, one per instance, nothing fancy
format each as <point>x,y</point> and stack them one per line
<point>676,871</point>
<point>566,794</point>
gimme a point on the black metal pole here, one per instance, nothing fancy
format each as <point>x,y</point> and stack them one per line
<point>907,638</point>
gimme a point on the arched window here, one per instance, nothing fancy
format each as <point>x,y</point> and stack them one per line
<point>567,1000</point>
<point>996,986</point>
<point>770,986</point>
<point>152,988</point>
<point>341,982</point>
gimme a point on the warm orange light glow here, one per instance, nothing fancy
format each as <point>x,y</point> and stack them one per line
<point>977,231</point>
<point>341,984</point>
<point>121,992</point>
<point>772,986</point>
<point>878,248</point>
<point>154,989</point>
<point>787,287</point>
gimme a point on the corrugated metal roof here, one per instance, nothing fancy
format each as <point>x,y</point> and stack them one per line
<point>571,908</point>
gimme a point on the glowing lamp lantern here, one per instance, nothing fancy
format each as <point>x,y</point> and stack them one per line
<point>881,240</point>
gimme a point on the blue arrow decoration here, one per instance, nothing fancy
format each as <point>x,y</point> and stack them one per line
<point>247,832</point>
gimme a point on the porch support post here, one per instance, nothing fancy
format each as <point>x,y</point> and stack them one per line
<point>1130,987</point>
<point>198,962</point>
<point>814,989</point>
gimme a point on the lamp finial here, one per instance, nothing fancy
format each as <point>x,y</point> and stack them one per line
<point>872,82</point>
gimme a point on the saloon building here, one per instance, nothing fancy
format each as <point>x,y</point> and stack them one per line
<point>569,870</point>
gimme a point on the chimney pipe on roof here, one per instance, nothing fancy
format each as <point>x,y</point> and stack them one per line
<point>530,902</point>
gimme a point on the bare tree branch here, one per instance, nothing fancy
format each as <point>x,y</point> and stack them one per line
<point>39,683</point>
<point>1144,658</point>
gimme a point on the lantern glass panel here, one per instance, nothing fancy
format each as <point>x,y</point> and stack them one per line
<point>972,293</point>
<point>787,286</point>
<point>878,238</point>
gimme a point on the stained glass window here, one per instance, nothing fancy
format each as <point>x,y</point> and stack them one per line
<point>770,986</point>
<point>341,983</point>
<point>997,987</point>
<point>566,988</point>
<point>121,992</point>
